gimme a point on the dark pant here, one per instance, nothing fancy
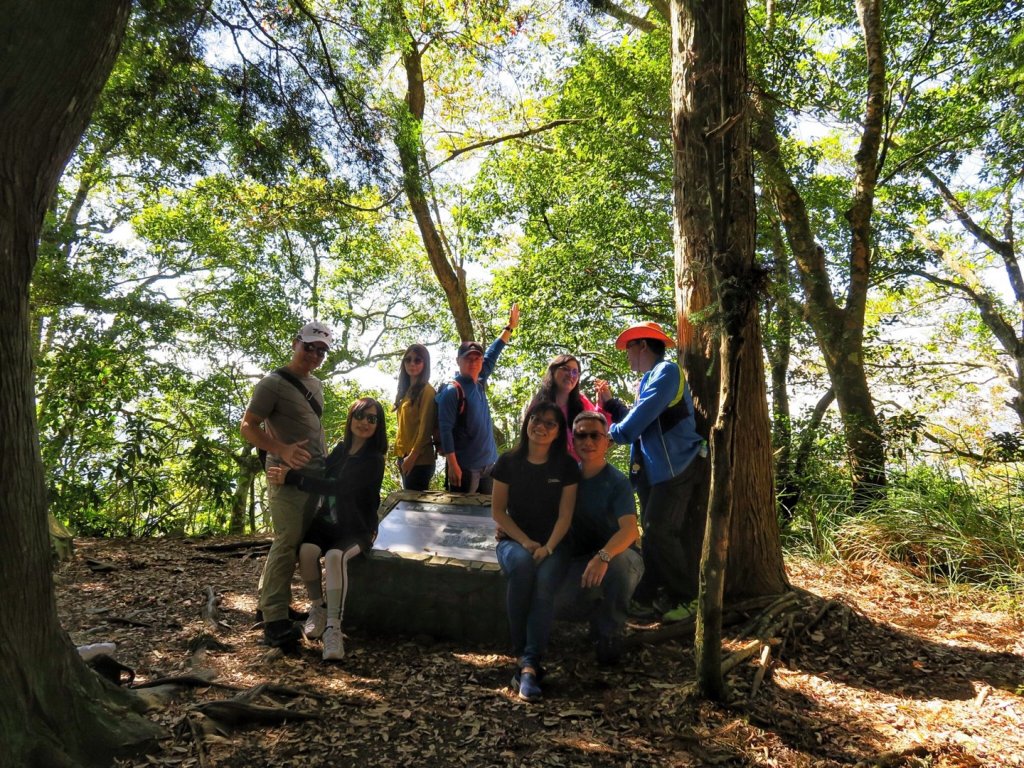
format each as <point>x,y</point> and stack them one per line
<point>673,515</point>
<point>418,478</point>
<point>605,605</point>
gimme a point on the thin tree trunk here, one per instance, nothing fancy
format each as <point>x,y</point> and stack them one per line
<point>451,277</point>
<point>54,710</point>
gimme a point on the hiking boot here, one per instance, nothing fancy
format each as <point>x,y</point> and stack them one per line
<point>518,673</point>
<point>681,612</point>
<point>334,644</point>
<point>293,615</point>
<point>529,685</point>
<point>642,611</point>
<point>317,621</point>
<point>609,650</point>
<point>281,633</point>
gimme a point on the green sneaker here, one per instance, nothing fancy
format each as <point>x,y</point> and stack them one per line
<point>681,612</point>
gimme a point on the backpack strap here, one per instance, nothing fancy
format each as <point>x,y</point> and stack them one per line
<point>291,378</point>
<point>676,410</point>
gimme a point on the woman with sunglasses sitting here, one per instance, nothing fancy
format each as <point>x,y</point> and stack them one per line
<point>532,501</point>
<point>561,386</point>
<point>416,410</point>
<point>346,523</point>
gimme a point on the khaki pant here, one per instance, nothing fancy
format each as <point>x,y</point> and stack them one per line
<point>291,512</point>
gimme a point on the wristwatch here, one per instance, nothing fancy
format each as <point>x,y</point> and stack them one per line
<point>605,557</point>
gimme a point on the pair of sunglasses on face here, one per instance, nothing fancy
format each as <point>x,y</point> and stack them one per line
<point>313,348</point>
<point>370,418</point>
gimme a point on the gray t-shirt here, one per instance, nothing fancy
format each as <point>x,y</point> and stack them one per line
<point>287,416</point>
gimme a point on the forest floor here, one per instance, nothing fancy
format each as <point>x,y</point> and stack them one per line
<point>872,667</point>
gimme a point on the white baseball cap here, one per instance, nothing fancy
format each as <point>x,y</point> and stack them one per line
<point>316,331</point>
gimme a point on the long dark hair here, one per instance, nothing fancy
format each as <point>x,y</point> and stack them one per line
<point>560,446</point>
<point>378,443</point>
<point>406,386</point>
<point>548,387</point>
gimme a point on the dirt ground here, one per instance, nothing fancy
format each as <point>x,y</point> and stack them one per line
<point>868,667</point>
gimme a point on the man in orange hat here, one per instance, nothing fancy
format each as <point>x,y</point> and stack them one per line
<point>666,461</point>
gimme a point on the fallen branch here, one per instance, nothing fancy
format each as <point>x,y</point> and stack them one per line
<point>211,610</point>
<point>829,604</point>
<point>734,613</point>
<point>237,713</point>
<point>758,626</point>
<point>197,737</point>
<point>187,681</point>
<point>762,667</point>
<point>233,546</point>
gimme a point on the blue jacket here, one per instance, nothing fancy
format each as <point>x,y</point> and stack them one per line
<point>472,436</point>
<point>663,454</point>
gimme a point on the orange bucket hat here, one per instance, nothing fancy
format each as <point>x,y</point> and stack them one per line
<point>643,331</point>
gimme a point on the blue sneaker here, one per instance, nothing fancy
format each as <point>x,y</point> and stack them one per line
<point>529,686</point>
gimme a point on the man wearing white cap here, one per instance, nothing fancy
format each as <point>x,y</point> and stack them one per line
<point>665,461</point>
<point>283,419</point>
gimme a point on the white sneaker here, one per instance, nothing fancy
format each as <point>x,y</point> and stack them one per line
<point>316,622</point>
<point>334,644</point>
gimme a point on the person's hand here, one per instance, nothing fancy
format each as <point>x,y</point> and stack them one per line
<point>540,553</point>
<point>295,456</point>
<point>454,471</point>
<point>513,317</point>
<point>407,465</point>
<point>276,475</point>
<point>602,391</point>
<point>531,546</point>
<point>594,573</point>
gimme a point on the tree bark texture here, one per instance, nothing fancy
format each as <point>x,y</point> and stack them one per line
<point>714,252</point>
<point>54,59</point>
<point>708,133</point>
<point>451,277</point>
<point>839,330</point>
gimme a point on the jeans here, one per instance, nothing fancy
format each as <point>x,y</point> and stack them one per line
<point>673,515</point>
<point>530,598</point>
<point>418,478</point>
<point>473,481</point>
<point>606,605</point>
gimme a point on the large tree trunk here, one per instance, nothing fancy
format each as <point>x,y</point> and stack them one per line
<point>451,277</point>
<point>755,565</point>
<point>714,250</point>
<point>54,59</point>
<point>839,331</point>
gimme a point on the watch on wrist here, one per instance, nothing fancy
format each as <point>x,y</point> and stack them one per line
<point>605,557</point>
<point>509,328</point>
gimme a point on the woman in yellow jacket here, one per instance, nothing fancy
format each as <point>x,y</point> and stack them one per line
<point>415,407</point>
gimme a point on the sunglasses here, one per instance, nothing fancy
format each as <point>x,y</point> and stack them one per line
<point>413,360</point>
<point>370,418</point>
<point>588,435</point>
<point>634,343</point>
<point>574,373</point>
<point>542,422</point>
<point>317,350</point>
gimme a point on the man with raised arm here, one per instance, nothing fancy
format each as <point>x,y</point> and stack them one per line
<point>283,419</point>
<point>464,416</point>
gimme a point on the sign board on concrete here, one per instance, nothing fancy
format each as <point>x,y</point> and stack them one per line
<point>450,529</point>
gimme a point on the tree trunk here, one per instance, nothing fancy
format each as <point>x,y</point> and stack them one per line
<point>713,194</point>
<point>451,277</point>
<point>55,711</point>
<point>839,331</point>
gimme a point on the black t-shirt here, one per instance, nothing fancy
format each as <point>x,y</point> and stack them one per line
<point>535,490</point>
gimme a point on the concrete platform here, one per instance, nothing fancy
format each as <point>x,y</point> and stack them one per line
<point>425,589</point>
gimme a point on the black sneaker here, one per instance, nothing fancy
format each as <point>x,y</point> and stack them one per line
<point>281,633</point>
<point>609,650</point>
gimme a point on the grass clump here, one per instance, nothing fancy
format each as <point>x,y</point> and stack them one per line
<point>935,524</point>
